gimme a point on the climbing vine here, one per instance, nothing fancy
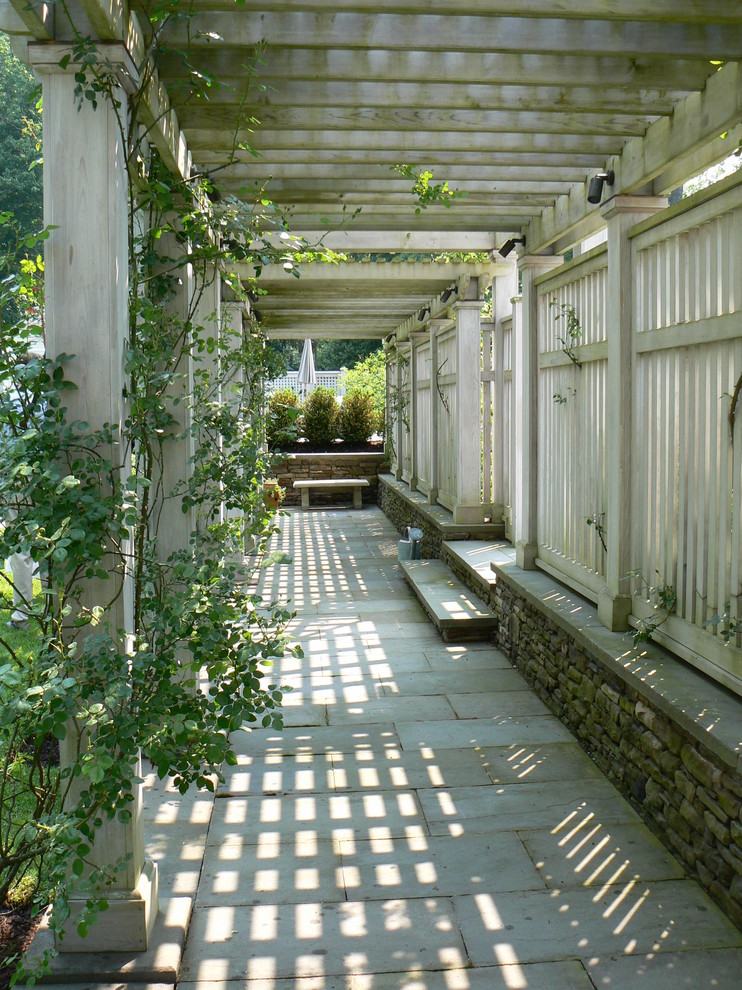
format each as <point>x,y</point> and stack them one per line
<point>89,506</point>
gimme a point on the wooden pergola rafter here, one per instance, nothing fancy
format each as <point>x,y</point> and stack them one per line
<point>514,104</point>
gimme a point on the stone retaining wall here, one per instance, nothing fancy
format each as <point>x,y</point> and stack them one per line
<point>304,467</point>
<point>688,794</point>
<point>401,514</point>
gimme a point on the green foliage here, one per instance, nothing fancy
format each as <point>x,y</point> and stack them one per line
<point>368,377</point>
<point>663,598</point>
<point>573,336</point>
<point>425,191</point>
<point>329,355</point>
<point>357,417</point>
<point>332,355</point>
<point>320,417</point>
<point>88,504</point>
<point>281,423</point>
<point>20,129</point>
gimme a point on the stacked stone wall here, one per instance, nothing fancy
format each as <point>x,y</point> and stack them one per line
<point>308,467</point>
<point>402,514</point>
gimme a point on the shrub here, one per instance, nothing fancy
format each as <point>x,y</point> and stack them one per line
<point>369,377</point>
<point>357,417</point>
<point>283,411</point>
<point>320,417</point>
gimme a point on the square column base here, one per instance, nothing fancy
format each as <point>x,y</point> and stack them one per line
<point>473,514</point>
<point>614,610</point>
<point>127,924</point>
<point>525,555</point>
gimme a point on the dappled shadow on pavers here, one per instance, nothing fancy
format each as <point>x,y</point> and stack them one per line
<point>424,823</point>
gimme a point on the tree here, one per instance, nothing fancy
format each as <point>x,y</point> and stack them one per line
<point>20,124</point>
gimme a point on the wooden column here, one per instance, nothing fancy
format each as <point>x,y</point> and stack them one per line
<point>504,288</point>
<point>436,326</point>
<point>414,410</point>
<point>468,507</point>
<point>398,415</point>
<point>621,213</point>
<point>525,384</point>
<point>86,257</point>
<point>173,526</point>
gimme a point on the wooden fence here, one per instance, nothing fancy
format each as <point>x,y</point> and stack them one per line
<point>609,419</point>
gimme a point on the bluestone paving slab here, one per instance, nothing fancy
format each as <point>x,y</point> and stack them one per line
<point>281,941</point>
<point>496,704</point>
<point>555,761</point>
<point>459,656</point>
<point>593,854</point>
<point>452,682</point>
<point>523,806</point>
<point>577,923</point>
<point>271,873</point>
<point>277,774</point>
<point>322,739</point>
<point>389,709</point>
<point>399,769</point>
<point>533,976</point>
<point>520,730</point>
<point>717,969</point>
<point>431,866</point>
<point>454,608</point>
<point>320,872</point>
<point>323,815</point>
<point>179,849</point>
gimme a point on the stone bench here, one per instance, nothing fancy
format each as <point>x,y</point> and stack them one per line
<point>356,484</point>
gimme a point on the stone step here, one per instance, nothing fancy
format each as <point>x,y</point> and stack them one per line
<point>455,611</point>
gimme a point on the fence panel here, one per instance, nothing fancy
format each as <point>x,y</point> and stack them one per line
<point>327,379</point>
<point>571,420</point>
<point>687,508</point>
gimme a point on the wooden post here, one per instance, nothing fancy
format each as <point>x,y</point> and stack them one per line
<point>504,288</point>
<point>621,213</point>
<point>415,339</point>
<point>435,406</point>
<point>87,314</point>
<point>468,507</point>
<point>525,384</point>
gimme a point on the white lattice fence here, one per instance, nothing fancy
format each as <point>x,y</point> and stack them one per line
<point>328,379</point>
<point>571,419</point>
<point>687,506</point>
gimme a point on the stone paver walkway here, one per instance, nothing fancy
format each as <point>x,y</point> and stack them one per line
<point>423,822</point>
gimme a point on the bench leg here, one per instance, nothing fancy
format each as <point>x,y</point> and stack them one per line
<point>305,498</point>
<point>357,498</point>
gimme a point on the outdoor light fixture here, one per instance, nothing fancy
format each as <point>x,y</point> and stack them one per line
<point>510,244</point>
<point>447,293</point>
<point>422,314</point>
<point>595,192</point>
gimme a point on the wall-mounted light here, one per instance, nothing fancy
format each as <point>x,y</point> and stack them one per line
<point>422,314</point>
<point>510,244</point>
<point>595,192</point>
<point>447,293</point>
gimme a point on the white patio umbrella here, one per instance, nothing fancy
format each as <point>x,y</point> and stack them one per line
<point>307,374</point>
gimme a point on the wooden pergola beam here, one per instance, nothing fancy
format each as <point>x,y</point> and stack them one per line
<point>524,69</point>
<point>430,32</point>
<point>689,11</point>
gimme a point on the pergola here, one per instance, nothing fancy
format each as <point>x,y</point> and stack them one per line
<point>516,103</point>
